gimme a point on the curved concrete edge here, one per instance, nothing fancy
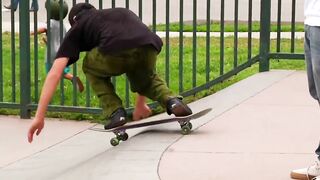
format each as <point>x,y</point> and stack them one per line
<point>89,154</point>
<point>264,137</point>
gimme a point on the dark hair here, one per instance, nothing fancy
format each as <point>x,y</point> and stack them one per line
<point>77,9</point>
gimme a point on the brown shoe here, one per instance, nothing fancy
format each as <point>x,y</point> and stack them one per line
<point>177,107</point>
<point>80,86</point>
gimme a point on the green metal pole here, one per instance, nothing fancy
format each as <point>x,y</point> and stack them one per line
<point>1,59</point>
<point>24,41</point>
<point>181,47</point>
<point>167,52</point>
<point>265,35</point>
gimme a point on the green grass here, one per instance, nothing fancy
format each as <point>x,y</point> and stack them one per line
<point>9,66</point>
<point>229,27</point>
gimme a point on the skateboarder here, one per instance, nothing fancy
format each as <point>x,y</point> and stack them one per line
<point>116,42</point>
<point>312,56</point>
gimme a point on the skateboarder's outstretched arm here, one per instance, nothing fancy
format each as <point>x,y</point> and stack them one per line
<point>47,92</point>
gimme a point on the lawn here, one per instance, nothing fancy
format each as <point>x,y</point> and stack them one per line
<point>229,27</point>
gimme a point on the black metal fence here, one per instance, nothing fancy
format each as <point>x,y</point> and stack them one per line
<point>192,59</point>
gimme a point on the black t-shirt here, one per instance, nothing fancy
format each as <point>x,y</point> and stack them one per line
<point>110,30</point>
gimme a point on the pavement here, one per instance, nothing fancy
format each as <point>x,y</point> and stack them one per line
<point>260,128</point>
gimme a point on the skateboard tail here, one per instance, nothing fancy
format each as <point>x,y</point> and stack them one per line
<point>201,113</point>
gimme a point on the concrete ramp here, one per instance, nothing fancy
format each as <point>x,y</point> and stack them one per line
<point>261,127</point>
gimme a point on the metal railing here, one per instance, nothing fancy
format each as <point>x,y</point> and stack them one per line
<point>21,73</point>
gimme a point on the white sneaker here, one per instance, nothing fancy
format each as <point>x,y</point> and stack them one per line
<point>307,173</point>
<point>5,10</point>
<point>316,178</point>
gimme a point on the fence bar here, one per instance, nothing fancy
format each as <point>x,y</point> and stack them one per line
<point>24,41</point>
<point>49,31</point>
<point>1,58</point>
<point>10,105</point>
<point>286,56</point>
<point>61,39</point>
<point>127,4</point>
<point>194,46</point>
<point>140,9</point>
<point>100,4</point>
<point>36,57</point>
<point>154,15</point>
<point>114,79</point>
<point>265,11</point>
<point>222,38</point>
<point>181,47</point>
<point>127,81</point>
<point>167,43</point>
<point>208,43</point>
<point>293,25</point>
<point>127,93</point>
<point>87,89</point>
<point>250,31</point>
<point>279,27</point>
<point>236,29</point>
<point>113,3</point>
<point>13,57</point>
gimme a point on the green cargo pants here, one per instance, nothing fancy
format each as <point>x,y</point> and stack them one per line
<point>139,66</point>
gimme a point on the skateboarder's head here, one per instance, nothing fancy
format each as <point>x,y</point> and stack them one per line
<point>77,10</point>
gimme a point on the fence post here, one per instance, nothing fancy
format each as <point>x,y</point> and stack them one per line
<point>24,42</point>
<point>265,13</point>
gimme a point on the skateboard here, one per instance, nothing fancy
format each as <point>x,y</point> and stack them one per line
<point>121,135</point>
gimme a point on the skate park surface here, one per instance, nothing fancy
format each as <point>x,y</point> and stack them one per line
<point>260,128</point>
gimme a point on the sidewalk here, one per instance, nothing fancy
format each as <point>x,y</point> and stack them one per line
<point>260,128</point>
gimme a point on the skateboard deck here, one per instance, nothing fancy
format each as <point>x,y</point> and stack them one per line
<point>121,134</point>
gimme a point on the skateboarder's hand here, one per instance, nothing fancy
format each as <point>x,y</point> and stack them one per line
<point>36,127</point>
<point>141,112</point>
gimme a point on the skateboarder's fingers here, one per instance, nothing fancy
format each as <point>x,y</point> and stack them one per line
<point>30,135</point>
<point>38,131</point>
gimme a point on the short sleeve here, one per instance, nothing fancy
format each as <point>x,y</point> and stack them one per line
<point>70,46</point>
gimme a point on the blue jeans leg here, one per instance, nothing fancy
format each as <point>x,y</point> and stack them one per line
<point>14,4</point>
<point>34,5</point>
<point>312,56</point>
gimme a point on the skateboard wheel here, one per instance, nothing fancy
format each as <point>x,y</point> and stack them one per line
<point>114,141</point>
<point>185,129</point>
<point>190,125</point>
<point>124,137</point>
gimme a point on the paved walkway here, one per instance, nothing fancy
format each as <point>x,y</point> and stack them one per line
<point>260,128</point>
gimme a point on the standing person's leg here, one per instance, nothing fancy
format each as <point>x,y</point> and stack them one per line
<point>314,40</point>
<point>144,80</point>
<point>309,65</point>
<point>312,56</point>
<point>34,5</point>
<point>74,80</point>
